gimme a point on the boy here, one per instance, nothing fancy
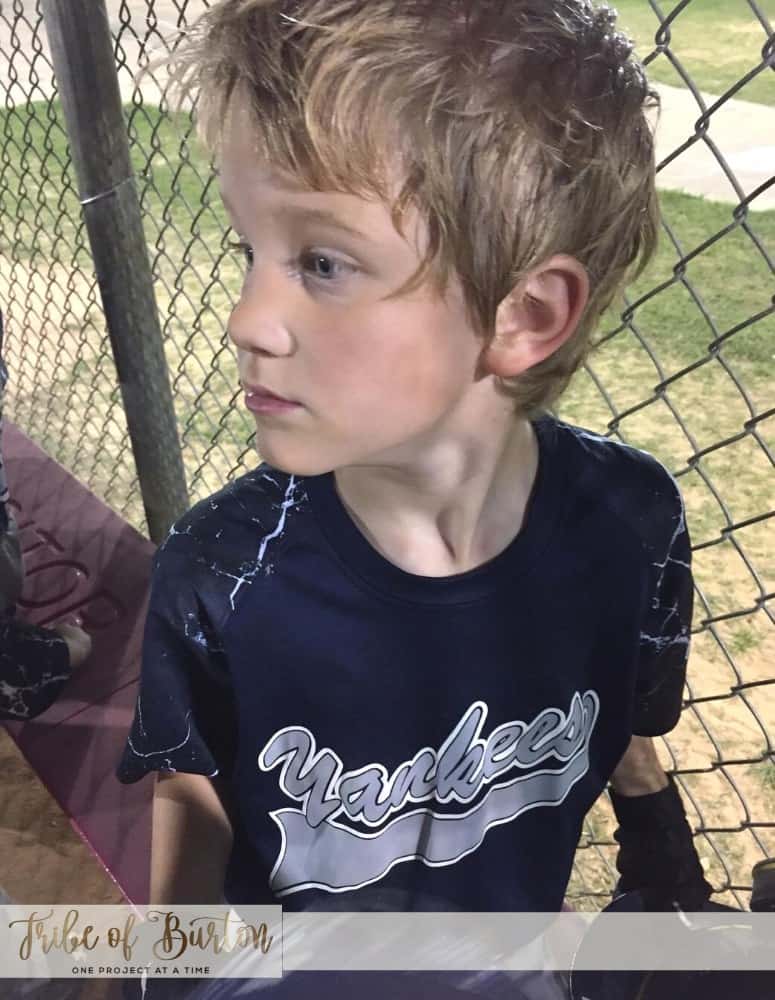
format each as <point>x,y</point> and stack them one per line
<point>394,666</point>
<point>35,663</point>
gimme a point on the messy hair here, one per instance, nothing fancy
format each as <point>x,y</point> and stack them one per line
<point>519,126</point>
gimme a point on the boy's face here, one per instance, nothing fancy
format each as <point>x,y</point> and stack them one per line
<point>376,382</point>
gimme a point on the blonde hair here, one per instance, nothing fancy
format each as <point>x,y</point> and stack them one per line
<point>520,127</point>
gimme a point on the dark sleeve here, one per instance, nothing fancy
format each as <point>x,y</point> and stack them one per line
<point>34,667</point>
<point>184,716</point>
<point>666,627</point>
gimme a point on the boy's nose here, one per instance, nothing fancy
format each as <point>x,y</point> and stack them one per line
<point>258,323</point>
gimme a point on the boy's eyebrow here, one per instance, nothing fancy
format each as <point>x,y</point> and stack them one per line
<point>321,215</point>
<point>325,216</point>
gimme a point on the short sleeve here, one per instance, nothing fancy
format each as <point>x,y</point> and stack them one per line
<point>184,717</point>
<point>666,628</point>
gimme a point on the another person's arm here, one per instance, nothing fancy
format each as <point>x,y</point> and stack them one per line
<point>35,663</point>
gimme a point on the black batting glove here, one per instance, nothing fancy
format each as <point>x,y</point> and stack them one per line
<point>656,854</point>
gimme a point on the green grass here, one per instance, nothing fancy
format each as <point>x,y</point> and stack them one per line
<point>716,41</point>
<point>743,640</point>
<point>731,277</point>
<point>765,772</point>
<point>186,225</point>
<point>39,204</point>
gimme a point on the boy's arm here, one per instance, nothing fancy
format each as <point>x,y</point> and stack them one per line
<point>656,849</point>
<point>184,728</point>
<point>191,841</point>
<point>639,771</point>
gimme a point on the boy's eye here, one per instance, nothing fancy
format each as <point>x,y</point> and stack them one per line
<point>324,266</point>
<point>244,248</point>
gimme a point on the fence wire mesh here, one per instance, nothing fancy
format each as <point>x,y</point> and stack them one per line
<point>683,369</point>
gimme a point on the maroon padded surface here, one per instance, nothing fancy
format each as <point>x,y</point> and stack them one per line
<point>77,761</point>
<point>83,561</point>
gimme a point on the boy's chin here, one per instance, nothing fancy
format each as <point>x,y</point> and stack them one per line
<point>298,464</point>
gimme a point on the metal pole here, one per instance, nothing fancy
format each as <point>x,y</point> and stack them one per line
<point>82,52</point>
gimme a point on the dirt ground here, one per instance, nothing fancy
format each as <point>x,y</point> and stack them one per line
<point>42,858</point>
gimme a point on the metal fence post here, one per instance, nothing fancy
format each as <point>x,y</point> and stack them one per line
<point>82,52</point>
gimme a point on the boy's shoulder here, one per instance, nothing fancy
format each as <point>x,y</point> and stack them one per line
<point>629,484</point>
<point>248,503</point>
<point>230,534</point>
<point>608,461</point>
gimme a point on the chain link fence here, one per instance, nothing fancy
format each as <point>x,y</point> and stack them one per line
<point>682,369</point>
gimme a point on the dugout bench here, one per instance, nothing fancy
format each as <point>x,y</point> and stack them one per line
<point>83,560</point>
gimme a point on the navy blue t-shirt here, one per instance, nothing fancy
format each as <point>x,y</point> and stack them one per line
<point>400,742</point>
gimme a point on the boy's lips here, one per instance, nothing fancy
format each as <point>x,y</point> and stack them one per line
<point>262,400</point>
<point>261,390</point>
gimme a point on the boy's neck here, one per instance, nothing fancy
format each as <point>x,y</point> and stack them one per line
<point>453,509</point>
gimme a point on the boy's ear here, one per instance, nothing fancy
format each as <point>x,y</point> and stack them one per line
<point>537,317</point>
